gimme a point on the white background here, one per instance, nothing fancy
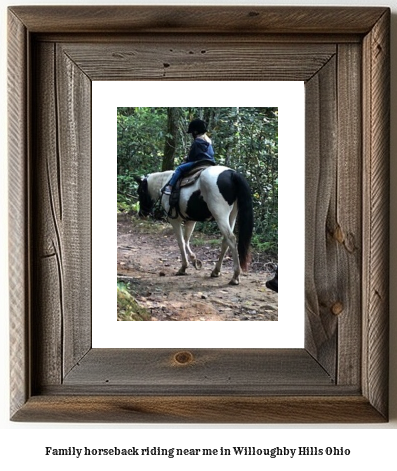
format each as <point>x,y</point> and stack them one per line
<point>289,330</point>
<point>372,446</point>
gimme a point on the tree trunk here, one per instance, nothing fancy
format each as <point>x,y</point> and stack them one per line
<point>170,139</point>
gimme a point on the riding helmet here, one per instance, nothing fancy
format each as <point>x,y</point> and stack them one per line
<point>197,125</point>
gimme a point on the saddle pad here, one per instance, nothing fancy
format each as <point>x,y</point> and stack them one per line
<point>193,175</point>
<point>186,181</point>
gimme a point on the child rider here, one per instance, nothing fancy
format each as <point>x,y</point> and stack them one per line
<point>201,149</point>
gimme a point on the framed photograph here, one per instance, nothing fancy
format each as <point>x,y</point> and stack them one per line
<point>340,374</point>
<point>259,142</point>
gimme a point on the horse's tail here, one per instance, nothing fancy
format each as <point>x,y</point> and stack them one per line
<point>245,219</point>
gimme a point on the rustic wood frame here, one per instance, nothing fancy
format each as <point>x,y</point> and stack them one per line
<point>343,56</point>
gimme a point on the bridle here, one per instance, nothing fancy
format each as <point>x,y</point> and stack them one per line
<point>147,209</point>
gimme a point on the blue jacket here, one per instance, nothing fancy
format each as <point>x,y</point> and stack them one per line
<point>200,150</point>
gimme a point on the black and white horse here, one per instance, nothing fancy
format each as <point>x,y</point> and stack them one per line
<point>219,193</point>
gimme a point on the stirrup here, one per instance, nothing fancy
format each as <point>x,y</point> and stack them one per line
<point>167,190</point>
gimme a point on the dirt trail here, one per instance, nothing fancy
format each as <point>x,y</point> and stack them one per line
<point>148,258</point>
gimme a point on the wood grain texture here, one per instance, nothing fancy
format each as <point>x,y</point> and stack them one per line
<point>347,225</point>
<point>320,265</point>
<point>191,19</point>
<point>202,60</point>
<point>74,136</point>
<point>19,240</point>
<point>341,376</point>
<point>48,248</point>
<point>198,409</point>
<point>376,90</point>
<point>333,215</point>
<point>62,205</point>
<point>231,370</point>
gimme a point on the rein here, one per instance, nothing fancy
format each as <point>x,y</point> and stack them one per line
<point>159,205</point>
<point>172,208</point>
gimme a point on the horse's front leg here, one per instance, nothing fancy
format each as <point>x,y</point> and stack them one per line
<point>182,245</point>
<point>189,228</point>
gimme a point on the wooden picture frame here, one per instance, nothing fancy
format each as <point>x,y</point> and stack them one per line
<point>342,54</point>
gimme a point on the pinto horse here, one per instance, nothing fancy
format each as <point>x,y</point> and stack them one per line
<point>219,193</point>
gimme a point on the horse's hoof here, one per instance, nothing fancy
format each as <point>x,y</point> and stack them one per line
<point>180,273</point>
<point>234,282</point>
<point>198,264</point>
<point>215,274</point>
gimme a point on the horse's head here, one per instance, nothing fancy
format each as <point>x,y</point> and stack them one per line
<point>146,203</point>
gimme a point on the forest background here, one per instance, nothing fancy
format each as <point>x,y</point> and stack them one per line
<point>245,139</point>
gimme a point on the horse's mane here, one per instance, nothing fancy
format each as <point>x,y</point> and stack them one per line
<point>157,180</point>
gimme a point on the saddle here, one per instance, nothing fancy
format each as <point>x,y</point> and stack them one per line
<point>187,179</point>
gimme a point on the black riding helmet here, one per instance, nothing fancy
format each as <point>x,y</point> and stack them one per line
<point>197,125</point>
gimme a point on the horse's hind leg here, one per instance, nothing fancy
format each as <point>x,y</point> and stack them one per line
<point>189,228</point>
<point>217,270</point>
<point>229,240</point>
<point>178,229</point>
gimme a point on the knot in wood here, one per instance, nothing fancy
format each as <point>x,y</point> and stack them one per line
<point>337,308</point>
<point>338,235</point>
<point>183,358</point>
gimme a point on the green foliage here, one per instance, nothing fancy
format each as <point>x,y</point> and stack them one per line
<point>245,139</point>
<point>127,308</point>
<point>127,200</point>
